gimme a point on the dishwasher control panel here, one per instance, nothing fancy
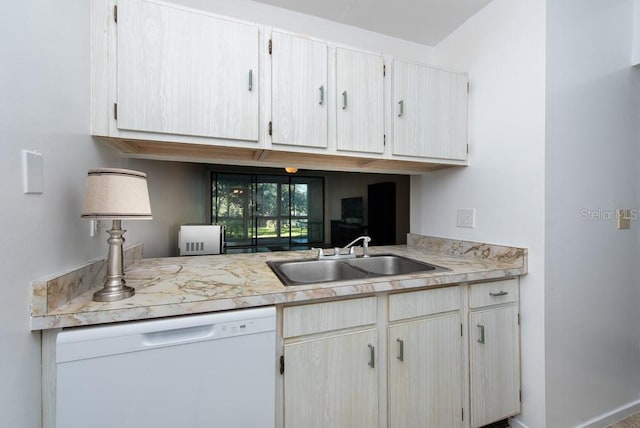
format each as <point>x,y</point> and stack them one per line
<point>237,328</point>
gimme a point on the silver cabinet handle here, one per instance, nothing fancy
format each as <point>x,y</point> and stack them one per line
<point>401,103</point>
<point>481,327</point>
<point>321,95</point>
<point>401,351</point>
<point>250,79</point>
<point>344,100</point>
<point>500,293</point>
<point>372,356</point>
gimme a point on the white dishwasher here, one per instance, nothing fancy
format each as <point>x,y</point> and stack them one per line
<point>214,370</point>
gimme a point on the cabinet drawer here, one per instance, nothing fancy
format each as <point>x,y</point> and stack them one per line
<point>328,316</point>
<point>493,293</point>
<point>425,302</point>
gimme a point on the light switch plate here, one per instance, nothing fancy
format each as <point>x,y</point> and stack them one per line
<point>623,218</point>
<point>32,172</point>
<point>466,217</point>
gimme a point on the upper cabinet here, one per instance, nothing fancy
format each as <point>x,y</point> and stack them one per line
<point>174,82</point>
<point>360,95</point>
<point>429,112</point>
<point>184,72</point>
<point>298,91</point>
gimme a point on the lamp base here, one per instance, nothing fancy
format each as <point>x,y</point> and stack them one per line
<point>113,294</point>
<point>115,287</point>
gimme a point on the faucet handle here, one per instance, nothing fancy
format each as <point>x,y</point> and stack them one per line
<point>320,252</point>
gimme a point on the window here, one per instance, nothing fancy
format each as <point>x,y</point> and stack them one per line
<point>268,212</point>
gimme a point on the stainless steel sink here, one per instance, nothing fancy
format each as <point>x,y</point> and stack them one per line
<point>387,264</point>
<point>309,271</point>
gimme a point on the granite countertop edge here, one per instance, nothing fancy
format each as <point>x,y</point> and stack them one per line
<point>175,286</point>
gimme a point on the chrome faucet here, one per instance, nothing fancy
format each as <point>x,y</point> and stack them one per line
<point>337,251</point>
<point>365,245</point>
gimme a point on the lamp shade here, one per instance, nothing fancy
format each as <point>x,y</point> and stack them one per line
<point>113,193</point>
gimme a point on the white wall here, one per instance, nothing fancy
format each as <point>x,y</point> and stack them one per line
<point>592,296</point>
<point>503,49</point>
<point>44,106</point>
<point>635,46</point>
<point>261,13</point>
<point>178,195</point>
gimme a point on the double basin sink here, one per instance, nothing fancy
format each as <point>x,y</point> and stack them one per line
<point>309,271</point>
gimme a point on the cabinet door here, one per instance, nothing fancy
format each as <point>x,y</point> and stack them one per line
<point>430,112</point>
<point>494,364</point>
<point>299,91</point>
<point>359,94</point>
<point>185,72</point>
<point>330,382</point>
<point>425,373</point>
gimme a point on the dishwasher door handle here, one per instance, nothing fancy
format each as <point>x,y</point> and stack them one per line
<point>178,336</point>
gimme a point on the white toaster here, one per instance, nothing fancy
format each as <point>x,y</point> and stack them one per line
<point>200,239</point>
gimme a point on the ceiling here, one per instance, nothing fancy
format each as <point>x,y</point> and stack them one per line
<point>421,21</point>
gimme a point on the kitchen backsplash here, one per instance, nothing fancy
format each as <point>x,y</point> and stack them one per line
<point>478,250</point>
<point>56,290</point>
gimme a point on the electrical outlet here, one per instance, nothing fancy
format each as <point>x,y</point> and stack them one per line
<point>623,218</point>
<point>93,228</point>
<point>467,217</point>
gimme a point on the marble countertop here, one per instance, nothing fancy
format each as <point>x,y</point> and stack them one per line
<point>198,284</point>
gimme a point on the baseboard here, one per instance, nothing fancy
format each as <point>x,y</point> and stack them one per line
<point>613,416</point>
<point>601,421</point>
<point>515,423</point>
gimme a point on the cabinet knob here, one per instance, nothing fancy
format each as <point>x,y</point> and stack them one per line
<point>372,356</point>
<point>344,100</point>
<point>250,79</point>
<point>401,104</point>
<point>321,95</point>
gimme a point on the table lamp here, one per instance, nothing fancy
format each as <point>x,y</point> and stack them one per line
<point>115,194</point>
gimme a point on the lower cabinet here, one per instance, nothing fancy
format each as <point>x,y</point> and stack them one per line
<point>347,363</point>
<point>331,368</point>
<point>425,373</point>
<point>494,351</point>
<point>332,381</point>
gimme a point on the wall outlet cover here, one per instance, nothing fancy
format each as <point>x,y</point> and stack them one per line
<point>466,217</point>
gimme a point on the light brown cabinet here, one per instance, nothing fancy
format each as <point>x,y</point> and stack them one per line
<point>360,98</point>
<point>184,72</point>
<point>299,85</point>
<point>183,83</point>
<point>429,112</point>
<point>441,358</point>
<point>330,354</point>
<point>425,373</point>
<point>494,351</point>
<point>332,381</point>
